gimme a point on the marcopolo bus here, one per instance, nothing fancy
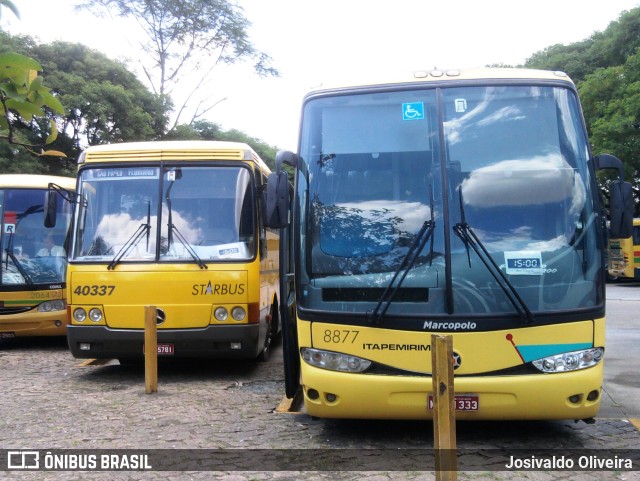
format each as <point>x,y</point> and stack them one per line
<point>34,259</point>
<point>460,202</point>
<point>178,226</point>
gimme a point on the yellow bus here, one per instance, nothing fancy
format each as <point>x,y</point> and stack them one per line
<point>33,267</point>
<point>455,202</point>
<point>179,226</point>
<point>624,255</point>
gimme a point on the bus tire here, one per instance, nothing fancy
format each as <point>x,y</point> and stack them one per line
<point>270,337</point>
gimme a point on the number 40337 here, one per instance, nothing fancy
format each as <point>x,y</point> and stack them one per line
<point>94,290</point>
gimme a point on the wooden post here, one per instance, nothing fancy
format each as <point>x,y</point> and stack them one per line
<point>150,350</point>
<point>444,414</point>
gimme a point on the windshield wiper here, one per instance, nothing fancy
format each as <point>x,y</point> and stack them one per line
<point>424,234</point>
<point>9,250</point>
<point>130,244</point>
<point>173,229</point>
<point>144,228</point>
<point>18,265</point>
<point>185,243</point>
<point>470,239</point>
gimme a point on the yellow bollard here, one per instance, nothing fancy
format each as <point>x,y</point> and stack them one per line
<point>150,350</point>
<point>444,414</point>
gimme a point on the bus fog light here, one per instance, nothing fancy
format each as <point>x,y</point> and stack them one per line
<point>49,306</point>
<point>235,345</point>
<point>330,397</point>
<point>334,361</point>
<point>95,315</point>
<point>221,314</point>
<point>79,315</point>
<point>84,346</point>
<point>570,361</point>
<point>238,313</point>
<point>593,395</point>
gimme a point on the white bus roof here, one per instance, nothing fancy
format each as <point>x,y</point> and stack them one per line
<point>35,181</point>
<point>451,75</point>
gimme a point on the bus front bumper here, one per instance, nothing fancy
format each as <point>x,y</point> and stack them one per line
<point>229,342</point>
<point>561,396</point>
<point>33,323</point>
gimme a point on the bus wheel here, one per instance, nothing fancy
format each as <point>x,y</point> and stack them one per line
<point>268,340</point>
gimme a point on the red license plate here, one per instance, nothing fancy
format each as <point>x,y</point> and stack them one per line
<point>165,350</point>
<point>462,402</point>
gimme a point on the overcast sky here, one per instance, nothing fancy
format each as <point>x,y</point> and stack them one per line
<point>319,41</point>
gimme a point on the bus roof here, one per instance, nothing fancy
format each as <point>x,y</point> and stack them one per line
<point>175,150</point>
<point>452,75</point>
<point>35,181</point>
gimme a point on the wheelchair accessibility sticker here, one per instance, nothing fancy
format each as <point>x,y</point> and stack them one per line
<point>413,111</point>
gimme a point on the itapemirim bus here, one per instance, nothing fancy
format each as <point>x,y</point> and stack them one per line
<point>457,202</point>
<point>33,267</point>
<point>179,226</point>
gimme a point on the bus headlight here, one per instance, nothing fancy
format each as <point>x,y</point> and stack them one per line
<point>238,313</point>
<point>334,361</point>
<point>48,306</point>
<point>221,314</point>
<point>570,361</point>
<point>79,315</point>
<point>95,315</point>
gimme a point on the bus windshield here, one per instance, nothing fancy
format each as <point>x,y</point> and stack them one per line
<point>499,171</point>
<point>169,213</point>
<point>31,253</point>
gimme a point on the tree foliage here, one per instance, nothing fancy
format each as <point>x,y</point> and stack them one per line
<point>604,49</point>
<point>104,102</point>
<point>24,100</point>
<point>606,69</point>
<point>184,41</point>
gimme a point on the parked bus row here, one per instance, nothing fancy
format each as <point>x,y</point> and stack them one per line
<point>459,202</point>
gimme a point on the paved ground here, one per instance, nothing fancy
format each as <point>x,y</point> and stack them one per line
<point>49,401</point>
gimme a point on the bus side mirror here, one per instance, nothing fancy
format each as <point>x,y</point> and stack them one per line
<point>621,209</point>
<point>277,200</point>
<point>50,208</point>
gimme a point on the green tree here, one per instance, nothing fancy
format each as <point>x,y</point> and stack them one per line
<point>185,41</point>
<point>611,103</point>
<point>23,99</point>
<point>602,49</point>
<point>104,103</point>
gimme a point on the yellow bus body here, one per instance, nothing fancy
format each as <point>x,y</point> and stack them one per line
<point>406,396</point>
<point>19,314</point>
<point>429,205</point>
<point>185,295</point>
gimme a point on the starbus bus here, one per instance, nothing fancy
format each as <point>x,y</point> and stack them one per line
<point>460,202</point>
<point>179,226</point>
<point>624,255</point>
<point>33,267</point>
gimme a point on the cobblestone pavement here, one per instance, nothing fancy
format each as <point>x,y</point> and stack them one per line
<point>49,401</point>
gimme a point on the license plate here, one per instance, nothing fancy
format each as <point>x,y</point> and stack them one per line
<point>462,402</point>
<point>164,350</point>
